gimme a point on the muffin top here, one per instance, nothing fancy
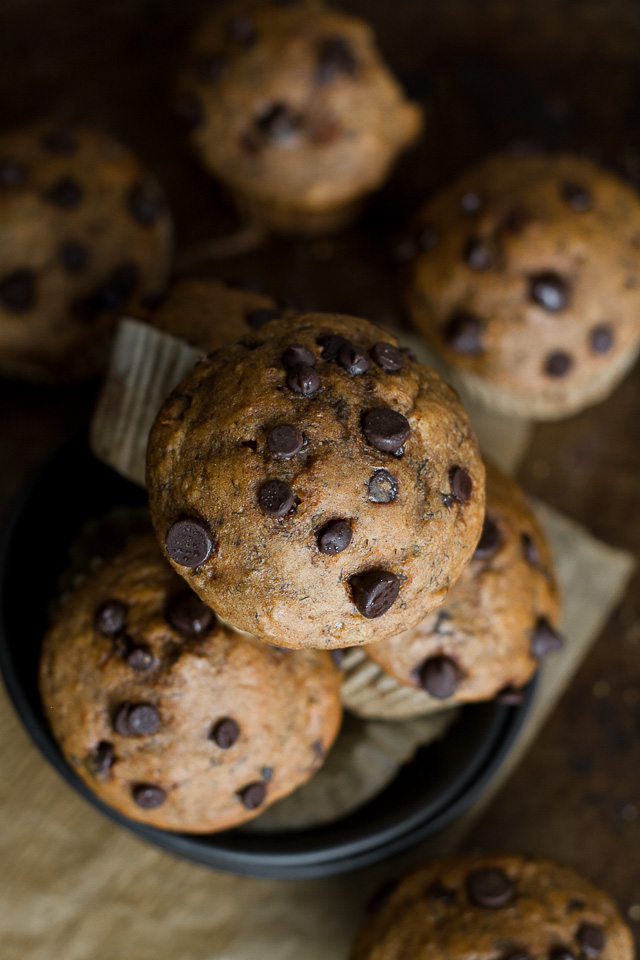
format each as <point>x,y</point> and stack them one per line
<point>524,275</point>
<point>291,101</point>
<point>496,622</point>
<point>84,232</point>
<point>169,715</point>
<point>493,908</point>
<point>315,484</point>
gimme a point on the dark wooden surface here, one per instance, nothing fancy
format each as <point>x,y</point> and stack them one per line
<point>561,73</point>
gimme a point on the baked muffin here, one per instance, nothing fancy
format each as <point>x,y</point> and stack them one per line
<point>84,232</point>
<point>292,107</point>
<point>493,908</point>
<point>170,716</point>
<point>315,484</point>
<point>525,277</point>
<point>496,622</point>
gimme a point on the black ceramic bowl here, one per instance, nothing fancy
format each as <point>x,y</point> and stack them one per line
<point>436,787</point>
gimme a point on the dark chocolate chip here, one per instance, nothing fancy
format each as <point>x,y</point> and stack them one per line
<point>297,354</point>
<point>101,760</point>
<point>601,339</point>
<point>576,195</point>
<point>490,888</point>
<point>510,696</point>
<point>275,498</point>
<point>549,290</point>
<point>65,192</point>
<point>209,67</point>
<point>383,487</point>
<point>334,537</point>
<point>257,318</point>
<point>278,124</point>
<point>225,733</point>
<point>12,173</point>
<point>254,795</point>
<point>189,109</point>
<point>490,540</point>
<point>148,796</point>
<point>145,203</point>
<point>284,441</point>
<point>461,484</point>
<point>74,256</point>
<point>386,429</point>
<point>318,748</point>
<point>119,286</point>
<point>353,359</point>
<point>438,891</point>
<point>303,379</point>
<point>439,676</point>
<point>110,618</point>
<point>335,59</point>
<point>189,542</point>
<point>59,141</point>
<point>140,658</point>
<point>135,720</point>
<point>267,773</point>
<point>575,905</point>
<point>374,592</point>
<point>471,202</point>
<point>544,639</point>
<point>387,356</point>
<point>331,344</point>
<point>530,549</point>
<point>591,939</point>
<point>515,220</point>
<point>18,291</point>
<point>479,254</point>
<point>561,953</point>
<point>558,364</point>
<point>121,720</point>
<point>241,29</point>
<point>463,333</point>
<point>189,615</point>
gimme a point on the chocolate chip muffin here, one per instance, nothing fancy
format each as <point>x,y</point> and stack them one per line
<point>493,908</point>
<point>291,106</point>
<point>84,231</point>
<point>497,621</point>
<point>170,716</point>
<point>315,484</point>
<point>524,274</point>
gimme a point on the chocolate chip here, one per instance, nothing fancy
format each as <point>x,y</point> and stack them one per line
<point>461,484</point>
<point>601,339</point>
<point>439,676</point>
<point>331,344</point>
<point>148,796</point>
<point>549,290</point>
<point>490,888</point>
<point>278,124</point>
<point>145,203</point>
<point>383,487</point>
<point>334,537</point>
<point>353,359</point>
<point>544,639</point>
<point>257,318</point>
<point>12,173</point>
<point>189,615</point>
<point>101,760</point>
<point>463,333</point>
<point>275,498</point>
<point>59,141</point>
<point>530,549</point>
<point>490,540</point>
<point>284,441</point>
<point>254,795</point>
<point>74,256</point>
<point>209,67</point>
<point>438,891</point>
<point>374,592</point>
<point>303,379</point>
<point>479,254</point>
<point>471,202</point>
<point>335,59</point>
<point>576,195</point>
<point>561,953</point>
<point>189,109</point>
<point>297,354</point>
<point>515,220</point>
<point>575,905</point>
<point>386,429</point>
<point>110,618</point>
<point>225,733</point>
<point>65,192</point>
<point>189,542</point>
<point>591,939</point>
<point>267,773</point>
<point>510,696</point>
<point>18,291</point>
<point>135,720</point>
<point>140,659</point>
<point>558,364</point>
<point>241,29</point>
<point>318,748</point>
<point>387,356</point>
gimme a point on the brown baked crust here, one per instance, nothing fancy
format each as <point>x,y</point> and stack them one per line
<point>84,231</point>
<point>528,216</point>
<point>487,623</point>
<point>210,461</point>
<point>285,703</point>
<point>345,117</point>
<point>429,915</point>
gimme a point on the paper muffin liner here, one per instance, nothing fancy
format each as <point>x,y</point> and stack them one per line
<point>365,759</point>
<point>146,364</point>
